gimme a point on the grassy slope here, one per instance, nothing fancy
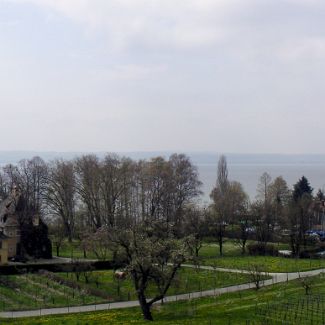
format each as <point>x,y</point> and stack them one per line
<point>232,309</point>
<point>187,280</point>
<point>33,291</point>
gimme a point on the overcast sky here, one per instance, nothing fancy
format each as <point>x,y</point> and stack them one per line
<point>238,76</point>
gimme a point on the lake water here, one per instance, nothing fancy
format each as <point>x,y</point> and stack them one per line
<point>248,175</point>
<point>247,168</point>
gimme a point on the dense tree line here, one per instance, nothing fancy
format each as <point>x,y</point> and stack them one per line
<point>88,192</point>
<point>276,213</point>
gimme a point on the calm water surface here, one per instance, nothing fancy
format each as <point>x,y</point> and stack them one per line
<point>248,175</point>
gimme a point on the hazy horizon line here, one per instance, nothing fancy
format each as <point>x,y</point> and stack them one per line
<point>163,151</point>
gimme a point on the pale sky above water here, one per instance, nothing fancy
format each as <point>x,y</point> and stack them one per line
<point>139,75</point>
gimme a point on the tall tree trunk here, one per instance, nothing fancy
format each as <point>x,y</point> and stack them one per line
<point>220,241</point>
<point>243,248</point>
<point>292,245</point>
<point>69,236</point>
<point>220,244</point>
<point>144,306</point>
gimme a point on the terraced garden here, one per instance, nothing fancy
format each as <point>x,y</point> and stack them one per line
<point>248,307</point>
<point>187,280</point>
<point>34,291</point>
<point>45,290</point>
<point>306,310</point>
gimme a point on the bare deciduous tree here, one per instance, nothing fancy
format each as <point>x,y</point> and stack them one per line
<point>220,206</point>
<point>256,275</point>
<point>30,178</point>
<point>57,233</point>
<point>262,211</point>
<point>61,194</point>
<point>88,187</point>
<point>98,243</point>
<point>195,226</point>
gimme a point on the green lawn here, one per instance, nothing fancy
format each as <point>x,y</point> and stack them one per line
<point>73,250</point>
<point>231,248</point>
<point>232,258</point>
<point>234,309</point>
<point>268,263</point>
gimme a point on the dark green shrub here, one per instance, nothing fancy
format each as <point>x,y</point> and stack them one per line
<point>262,249</point>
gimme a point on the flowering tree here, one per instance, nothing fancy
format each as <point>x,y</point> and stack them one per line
<point>151,255</point>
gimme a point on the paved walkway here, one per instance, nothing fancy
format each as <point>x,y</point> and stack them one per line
<point>275,278</point>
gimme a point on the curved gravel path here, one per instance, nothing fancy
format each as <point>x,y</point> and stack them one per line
<point>275,278</point>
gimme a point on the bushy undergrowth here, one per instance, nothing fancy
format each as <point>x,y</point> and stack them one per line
<point>262,249</point>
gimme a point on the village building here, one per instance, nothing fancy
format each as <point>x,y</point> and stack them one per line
<point>22,234</point>
<point>9,226</point>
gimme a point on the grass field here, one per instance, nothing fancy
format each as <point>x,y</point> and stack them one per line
<point>247,307</point>
<point>232,258</point>
<point>73,250</point>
